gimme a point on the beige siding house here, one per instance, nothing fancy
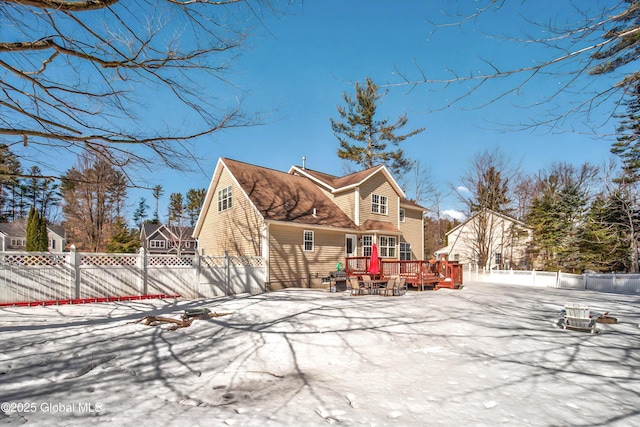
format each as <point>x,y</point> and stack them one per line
<point>304,222</point>
<point>489,240</point>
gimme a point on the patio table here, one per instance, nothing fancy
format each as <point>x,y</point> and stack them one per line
<point>374,285</point>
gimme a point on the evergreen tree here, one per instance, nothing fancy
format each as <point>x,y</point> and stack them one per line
<point>176,209</point>
<point>123,240</point>
<point>32,229</point>
<point>39,191</point>
<point>557,216</point>
<point>491,192</point>
<point>141,212</point>
<point>627,146</point>
<point>42,242</point>
<point>158,191</point>
<point>358,123</point>
<point>118,192</point>
<point>37,240</point>
<point>10,169</point>
<point>604,244</point>
<point>195,200</point>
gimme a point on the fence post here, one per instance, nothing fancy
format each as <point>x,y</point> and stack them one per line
<point>197,266</point>
<point>142,267</point>
<point>226,267</point>
<point>74,261</point>
<point>533,277</point>
<point>558,277</point>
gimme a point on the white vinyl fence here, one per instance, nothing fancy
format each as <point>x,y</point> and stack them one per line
<point>613,283</point>
<point>45,276</point>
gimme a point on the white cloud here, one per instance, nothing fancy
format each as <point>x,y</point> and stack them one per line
<point>454,214</point>
<point>462,189</point>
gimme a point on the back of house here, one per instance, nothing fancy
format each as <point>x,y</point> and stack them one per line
<point>305,222</point>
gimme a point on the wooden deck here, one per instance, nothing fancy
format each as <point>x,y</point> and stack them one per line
<point>420,274</point>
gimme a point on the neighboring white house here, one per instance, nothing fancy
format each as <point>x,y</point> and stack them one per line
<point>13,237</point>
<point>499,239</point>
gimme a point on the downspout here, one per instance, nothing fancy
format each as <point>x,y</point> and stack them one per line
<point>422,252</point>
<point>356,213</point>
<point>265,251</point>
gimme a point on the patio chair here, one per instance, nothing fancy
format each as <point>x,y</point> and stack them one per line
<point>366,282</point>
<point>391,286</point>
<point>577,317</point>
<point>401,286</point>
<point>356,287</point>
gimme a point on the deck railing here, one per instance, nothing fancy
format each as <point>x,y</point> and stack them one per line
<point>419,273</point>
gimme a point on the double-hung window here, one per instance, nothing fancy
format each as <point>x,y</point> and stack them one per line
<point>224,199</point>
<point>367,242</point>
<point>379,204</point>
<point>387,246</point>
<point>405,251</point>
<point>308,240</point>
<point>402,215</point>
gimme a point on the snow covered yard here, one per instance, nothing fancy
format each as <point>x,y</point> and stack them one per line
<point>484,355</point>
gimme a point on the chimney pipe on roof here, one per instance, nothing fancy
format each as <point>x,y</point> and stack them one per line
<point>304,159</point>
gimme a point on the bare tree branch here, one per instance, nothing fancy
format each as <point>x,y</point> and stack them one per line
<point>85,76</point>
<point>601,41</point>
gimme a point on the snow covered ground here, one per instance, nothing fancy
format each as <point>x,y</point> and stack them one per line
<point>485,355</point>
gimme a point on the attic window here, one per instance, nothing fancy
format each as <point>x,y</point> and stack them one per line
<point>224,199</point>
<point>402,215</point>
<point>379,204</point>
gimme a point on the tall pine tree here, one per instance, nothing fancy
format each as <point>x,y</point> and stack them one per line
<point>627,146</point>
<point>364,138</point>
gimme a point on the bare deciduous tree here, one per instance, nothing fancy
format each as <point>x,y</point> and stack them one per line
<point>488,181</point>
<point>578,49</point>
<point>86,76</point>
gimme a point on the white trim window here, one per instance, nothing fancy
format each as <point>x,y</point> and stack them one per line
<point>308,243</point>
<point>225,199</point>
<point>387,246</point>
<point>405,251</point>
<point>157,244</point>
<point>379,204</point>
<point>367,243</point>
<point>403,215</point>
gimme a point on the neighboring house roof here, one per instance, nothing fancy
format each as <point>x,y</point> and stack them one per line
<point>19,228</point>
<point>168,232</point>
<point>280,196</point>
<point>498,214</point>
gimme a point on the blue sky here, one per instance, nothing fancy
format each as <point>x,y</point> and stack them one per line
<point>298,65</point>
